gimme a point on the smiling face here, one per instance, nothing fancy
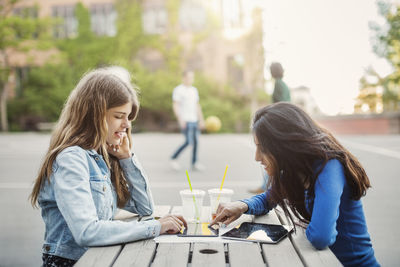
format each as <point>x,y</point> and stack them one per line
<point>265,160</point>
<point>118,123</point>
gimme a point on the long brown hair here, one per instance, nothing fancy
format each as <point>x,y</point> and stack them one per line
<point>300,149</point>
<point>83,123</point>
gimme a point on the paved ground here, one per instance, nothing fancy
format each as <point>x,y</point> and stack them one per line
<point>21,227</point>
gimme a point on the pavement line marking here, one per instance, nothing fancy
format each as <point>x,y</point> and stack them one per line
<point>152,185</point>
<point>15,185</point>
<point>373,149</point>
<point>365,147</point>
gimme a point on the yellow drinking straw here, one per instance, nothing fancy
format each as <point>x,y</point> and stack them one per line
<point>194,199</point>
<point>222,184</point>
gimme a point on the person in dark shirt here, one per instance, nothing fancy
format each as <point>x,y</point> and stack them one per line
<point>281,94</point>
<point>281,91</point>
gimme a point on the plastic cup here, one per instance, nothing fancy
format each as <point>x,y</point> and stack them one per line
<point>192,209</point>
<point>218,196</point>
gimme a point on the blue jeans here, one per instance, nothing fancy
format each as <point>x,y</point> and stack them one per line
<point>191,133</point>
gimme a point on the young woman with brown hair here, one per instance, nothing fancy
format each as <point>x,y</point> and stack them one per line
<point>89,170</point>
<point>313,177</point>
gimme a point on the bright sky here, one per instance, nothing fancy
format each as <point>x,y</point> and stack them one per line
<point>324,45</point>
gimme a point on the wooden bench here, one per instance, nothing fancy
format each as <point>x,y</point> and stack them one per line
<point>292,251</point>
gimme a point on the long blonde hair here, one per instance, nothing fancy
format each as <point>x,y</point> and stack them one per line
<point>83,123</point>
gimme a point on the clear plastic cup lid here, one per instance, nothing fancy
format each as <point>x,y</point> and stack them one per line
<point>224,191</point>
<point>195,192</point>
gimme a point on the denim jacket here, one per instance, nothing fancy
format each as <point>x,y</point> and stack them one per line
<point>79,203</point>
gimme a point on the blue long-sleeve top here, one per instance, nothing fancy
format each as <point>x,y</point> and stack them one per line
<point>337,221</point>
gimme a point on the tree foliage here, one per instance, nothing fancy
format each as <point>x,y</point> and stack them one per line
<point>15,32</point>
<point>42,98</point>
<point>387,45</point>
<point>47,87</point>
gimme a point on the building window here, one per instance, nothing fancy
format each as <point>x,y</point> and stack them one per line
<point>103,19</point>
<point>155,20</point>
<point>192,16</point>
<point>27,13</point>
<point>68,26</point>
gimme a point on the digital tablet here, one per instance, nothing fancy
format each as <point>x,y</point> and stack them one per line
<point>258,232</point>
<point>199,230</point>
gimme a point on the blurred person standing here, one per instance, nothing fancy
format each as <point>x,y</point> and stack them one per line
<point>281,94</point>
<point>188,112</point>
<point>281,91</point>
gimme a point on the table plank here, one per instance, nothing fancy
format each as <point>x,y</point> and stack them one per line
<point>245,254</point>
<point>161,210</point>
<point>200,259</point>
<point>173,255</point>
<point>158,212</point>
<point>105,256</point>
<point>99,256</point>
<point>296,251</point>
<point>281,254</point>
<point>309,255</point>
<point>176,210</point>
<point>270,218</point>
<point>139,253</point>
<point>124,215</point>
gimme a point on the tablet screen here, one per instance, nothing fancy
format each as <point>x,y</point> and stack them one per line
<point>198,229</point>
<point>266,233</point>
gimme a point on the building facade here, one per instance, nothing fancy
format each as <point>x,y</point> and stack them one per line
<point>302,97</point>
<point>230,50</point>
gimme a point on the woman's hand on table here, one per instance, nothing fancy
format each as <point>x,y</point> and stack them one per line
<point>229,212</point>
<point>171,224</point>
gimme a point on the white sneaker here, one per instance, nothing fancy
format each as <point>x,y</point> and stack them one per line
<point>198,167</point>
<point>175,165</point>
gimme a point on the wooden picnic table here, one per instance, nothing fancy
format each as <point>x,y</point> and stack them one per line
<point>293,251</point>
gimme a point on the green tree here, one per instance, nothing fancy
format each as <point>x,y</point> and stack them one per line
<point>47,87</point>
<point>223,101</point>
<point>387,45</point>
<point>45,91</point>
<point>86,51</point>
<point>15,32</point>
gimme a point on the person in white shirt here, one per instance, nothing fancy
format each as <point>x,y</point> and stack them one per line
<point>187,110</point>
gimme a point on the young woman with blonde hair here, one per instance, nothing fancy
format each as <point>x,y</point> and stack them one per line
<point>89,170</point>
<point>312,176</point>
